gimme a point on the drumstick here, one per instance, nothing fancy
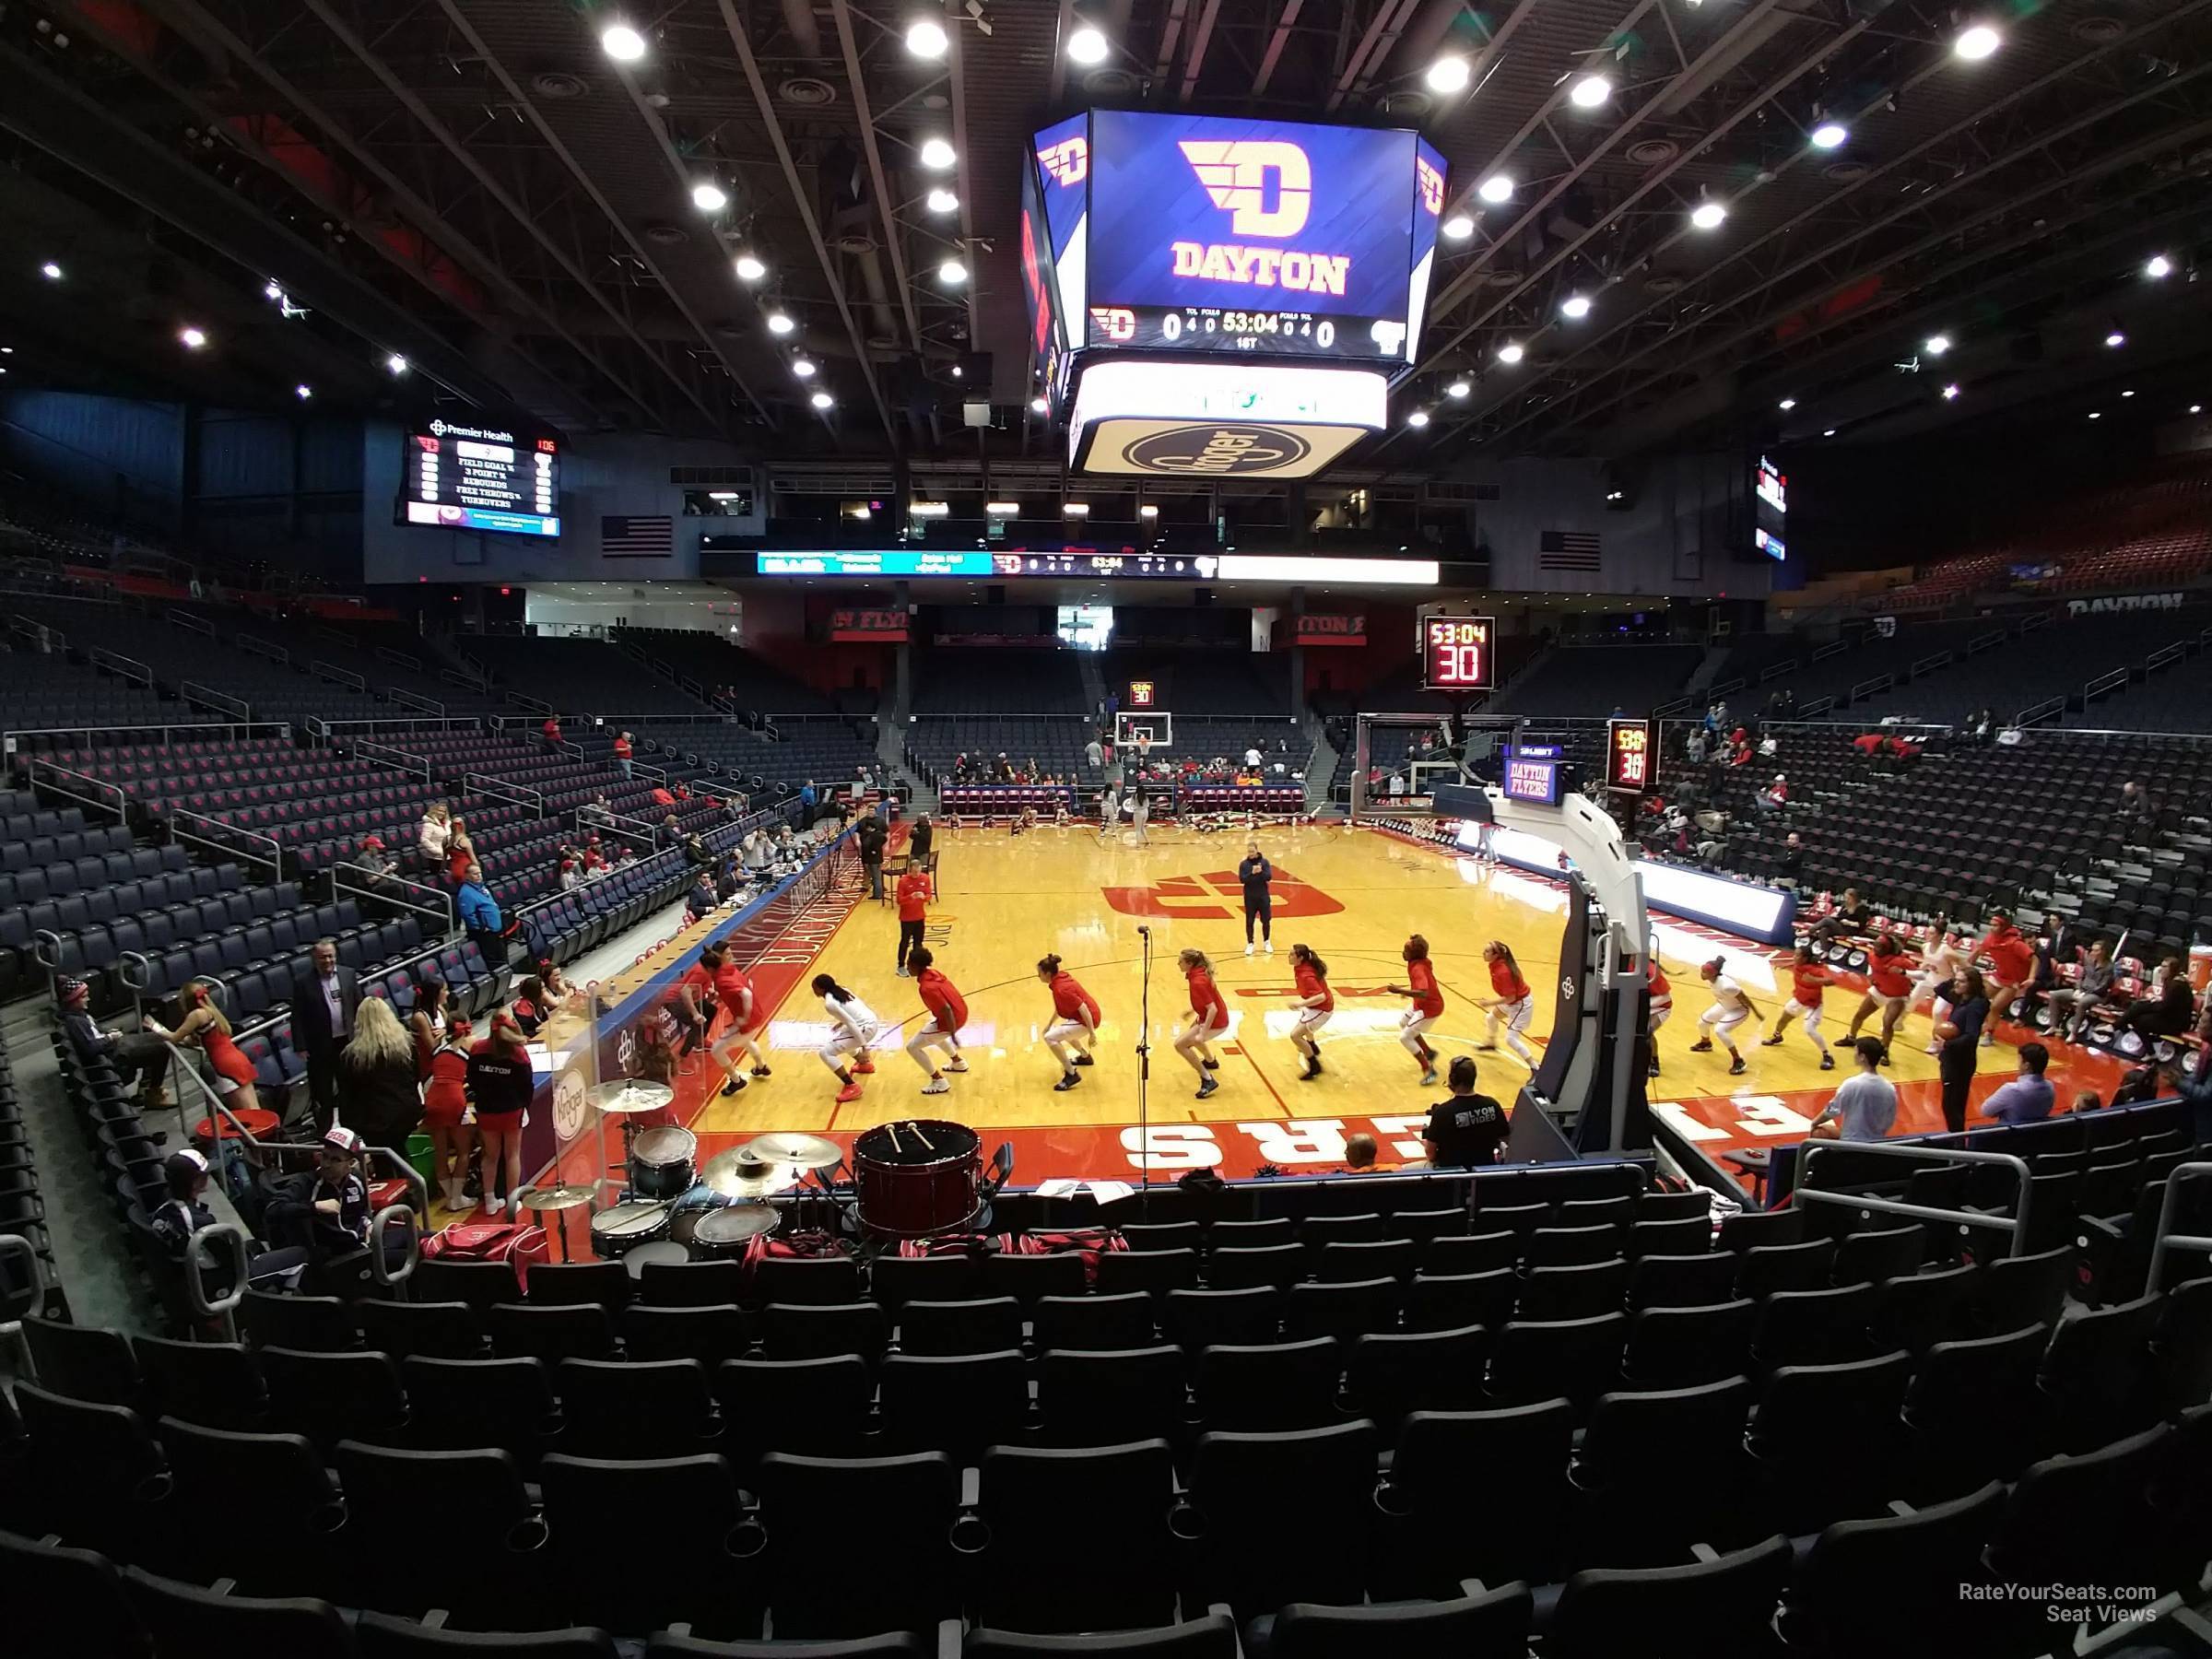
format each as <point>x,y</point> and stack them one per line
<point>927,1145</point>
<point>892,1130</point>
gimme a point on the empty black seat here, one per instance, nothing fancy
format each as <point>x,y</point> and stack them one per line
<point>709,1334</point>
<point>820,1331</point>
<point>460,1405</point>
<point>986,1325</point>
<point>1723,1606</point>
<point>1249,1491</point>
<point>553,1333</point>
<point>1450,1301</point>
<point>1762,1269</point>
<point>1918,1560</point>
<point>330,1397</point>
<point>1272,1385</point>
<point>1493,1625</point>
<point>1624,1518</point>
<point>387,1566</point>
<point>699,1582</point>
<point>65,1600</point>
<point>1691,1281</point>
<point>636,1408</point>
<point>1107,1396</point>
<point>440,1330</point>
<point>956,1403</point>
<point>215,1384</point>
<point>566,1283</point>
<point>1153,1270</point>
<point>1196,1319</point>
<point>813,1593</point>
<point>1345,1310</point>
<point>815,1407</point>
<point>1392,1372</point>
<point>1673,1347</point>
<point>1828,1439</point>
<point>691,1284</point>
<point>381,1636</point>
<point>1095,1322</point>
<point>1815,1327</point>
<point>1575,1360</point>
<point>1574,1292</point>
<point>1434,1537</point>
<point>192,1623</point>
<point>1033,1501</point>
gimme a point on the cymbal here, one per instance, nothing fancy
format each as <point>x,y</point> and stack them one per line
<point>808,1151</point>
<point>555,1198</point>
<point>737,1221</point>
<point>736,1175</point>
<point>630,1094</point>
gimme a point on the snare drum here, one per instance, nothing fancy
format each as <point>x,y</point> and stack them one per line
<point>719,1234</point>
<point>918,1178</point>
<point>661,1163</point>
<point>626,1225</point>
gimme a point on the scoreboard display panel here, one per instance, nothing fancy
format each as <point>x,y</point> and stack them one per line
<point>465,477</point>
<point>1629,755</point>
<point>1457,652</point>
<point>1531,773</point>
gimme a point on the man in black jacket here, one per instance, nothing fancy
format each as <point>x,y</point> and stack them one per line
<point>139,1056</point>
<point>324,1001</point>
<point>872,836</point>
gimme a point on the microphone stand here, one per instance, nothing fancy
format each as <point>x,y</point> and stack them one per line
<point>1143,1077</point>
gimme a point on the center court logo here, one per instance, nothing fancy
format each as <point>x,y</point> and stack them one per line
<point>1214,451</point>
<point>1216,896</point>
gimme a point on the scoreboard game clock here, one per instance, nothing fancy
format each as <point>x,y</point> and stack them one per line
<point>1456,653</point>
<point>1628,757</point>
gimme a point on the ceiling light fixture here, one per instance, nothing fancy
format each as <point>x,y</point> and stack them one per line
<point>821,400</point>
<point>1786,405</point>
<point>193,338</point>
<point>1075,509</point>
<point>928,509</point>
<point>937,153</point>
<point>749,268</point>
<point>1419,418</point>
<point>1003,509</point>
<point>1950,392</point>
<point>780,322</point>
<point>1936,345</point>
<point>803,366</point>
<point>1087,46</point>
<point>1829,433</point>
<point>1458,228</point>
<point>2096,414</point>
<point>51,272</point>
<point>303,391</point>
<point>1147,510</point>
<point>1039,406</point>
<point>1511,352</point>
<point>622,42</point>
<point>275,291</point>
<point>942,200</point>
<point>1976,43</point>
<point>395,364</point>
<point>2158,265</point>
<point>1497,188</point>
<point>1458,388</point>
<point>1708,216</point>
<point>2115,339</point>
<point>709,196</point>
<point>1830,135</point>
<point>2197,409</point>
<point>1575,306</point>
<point>925,38</point>
<point>952,272</point>
<point>1590,91</point>
<point>2127,393</point>
<point>1448,73</point>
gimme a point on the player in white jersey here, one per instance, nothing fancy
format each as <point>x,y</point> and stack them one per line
<point>1731,1006</point>
<point>1939,959</point>
<point>853,1029</point>
<point>1109,813</point>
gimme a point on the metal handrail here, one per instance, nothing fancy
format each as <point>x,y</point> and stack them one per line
<point>1929,663</point>
<point>232,1236</point>
<point>1776,670</point>
<point>1820,652</point>
<point>474,682</point>
<point>405,699</point>
<point>515,794</point>
<point>194,692</point>
<point>2036,713</point>
<point>379,888</point>
<point>406,761</point>
<point>120,806</point>
<point>131,669</point>
<point>2163,1239</point>
<point>402,1169</point>
<point>263,648</point>
<point>15,1244</point>
<point>273,858</point>
<point>1867,688</point>
<point>2102,684</point>
<point>343,677</point>
<point>180,618</point>
<point>385,653</point>
<point>377,1224</point>
<point>2016,1224</point>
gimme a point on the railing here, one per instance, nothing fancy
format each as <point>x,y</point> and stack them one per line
<point>1987,642</point>
<point>399,757</point>
<point>357,879</point>
<point>385,653</point>
<point>343,677</point>
<point>220,836</point>
<point>207,697</point>
<point>473,682</point>
<point>1822,652</point>
<point>408,723</point>
<point>2162,658</point>
<point>1867,688</point>
<point>1667,711</point>
<point>1725,687</point>
<point>96,793</point>
<point>2014,1224</point>
<point>635,829</point>
<point>2051,707</point>
<point>198,625</point>
<point>275,653</point>
<point>1815,709</point>
<point>114,662</point>
<point>524,700</point>
<point>2104,685</point>
<point>273,728</point>
<point>1776,670</point>
<point>47,639</point>
<point>2166,1239</point>
<point>408,699</point>
<point>2034,621</point>
<point>1929,663</point>
<point>518,795</point>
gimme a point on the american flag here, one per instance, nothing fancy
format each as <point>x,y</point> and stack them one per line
<point>637,537</point>
<point>1567,550</point>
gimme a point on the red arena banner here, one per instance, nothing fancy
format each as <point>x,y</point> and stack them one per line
<point>867,627</point>
<point>1331,631</point>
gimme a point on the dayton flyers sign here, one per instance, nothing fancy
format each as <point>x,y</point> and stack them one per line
<point>1267,187</point>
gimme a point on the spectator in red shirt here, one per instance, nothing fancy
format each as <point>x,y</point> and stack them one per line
<point>1888,987</point>
<point>1427,1005</point>
<point>1808,978</point>
<point>552,731</point>
<point>948,1012</point>
<point>1075,1022</point>
<point>623,752</point>
<point>2012,965</point>
<point>913,896</point>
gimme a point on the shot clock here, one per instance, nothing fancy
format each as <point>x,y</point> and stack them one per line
<point>1456,653</point>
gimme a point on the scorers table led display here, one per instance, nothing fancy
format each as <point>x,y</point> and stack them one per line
<point>1456,653</point>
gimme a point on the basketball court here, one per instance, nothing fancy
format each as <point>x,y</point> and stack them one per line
<point>1353,895</point>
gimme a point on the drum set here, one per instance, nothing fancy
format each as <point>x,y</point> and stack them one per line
<point>908,1180</point>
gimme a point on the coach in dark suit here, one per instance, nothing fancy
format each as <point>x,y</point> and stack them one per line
<point>324,1001</point>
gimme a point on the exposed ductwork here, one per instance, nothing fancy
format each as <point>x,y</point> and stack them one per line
<point>805,33</point>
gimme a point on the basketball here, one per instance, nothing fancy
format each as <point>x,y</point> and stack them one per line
<point>1946,1030</point>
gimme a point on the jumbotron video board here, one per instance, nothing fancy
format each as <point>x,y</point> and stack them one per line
<point>465,477</point>
<point>1254,284</point>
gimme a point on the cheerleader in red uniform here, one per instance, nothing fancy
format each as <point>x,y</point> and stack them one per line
<point>1209,1019</point>
<point>1075,1022</point>
<point>1427,1005</point>
<point>444,1111</point>
<point>205,1028</point>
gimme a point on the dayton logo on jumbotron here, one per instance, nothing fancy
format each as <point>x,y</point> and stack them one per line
<point>1242,175</point>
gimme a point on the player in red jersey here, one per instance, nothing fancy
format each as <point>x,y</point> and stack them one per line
<point>2012,965</point>
<point>1663,1005</point>
<point>1888,988</point>
<point>947,1013</point>
<point>1316,1002</point>
<point>913,893</point>
<point>1075,1022</point>
<point>1808,978</point>
<point>1511,1007</point>
<point>1427,1005</point>
<point>1209,1019</point>
<point>734,991</point>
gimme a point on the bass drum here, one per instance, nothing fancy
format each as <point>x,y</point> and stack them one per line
<point>919,1178</point>
<point>625,1226</point>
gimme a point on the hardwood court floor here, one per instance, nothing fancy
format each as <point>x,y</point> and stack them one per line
<point>1354,895</point>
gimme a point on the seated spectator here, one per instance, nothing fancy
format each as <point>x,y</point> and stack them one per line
<point>1851,916</point>
<point>2073,1004</point>
<point>139,1056</point>
<point>701,901</point>
<point>1789,864</point>
<point>2169,1008</point>
<point>1865,1106</point>
<point>2086,1099</point>
<point>324,1210</point>
<point>2029,1097</point>
<point>1774,797</point>
<point>376,864</point>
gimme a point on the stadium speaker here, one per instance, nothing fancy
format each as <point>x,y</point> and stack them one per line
<point>975,412</point>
